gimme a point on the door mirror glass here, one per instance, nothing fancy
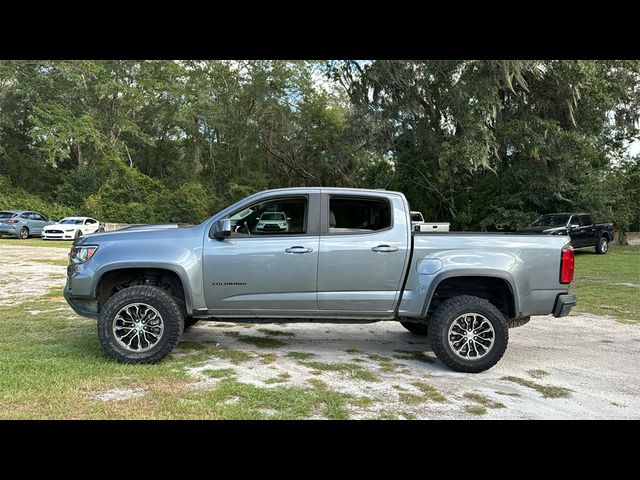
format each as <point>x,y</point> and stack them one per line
<point>574,226</point>
<point>223,229</point>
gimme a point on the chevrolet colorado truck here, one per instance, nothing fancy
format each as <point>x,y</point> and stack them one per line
<point>580,228</point>
<point>349,255</point>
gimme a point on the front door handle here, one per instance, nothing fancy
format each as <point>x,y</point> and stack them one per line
<point>299,250</point>
<point>384,248</point>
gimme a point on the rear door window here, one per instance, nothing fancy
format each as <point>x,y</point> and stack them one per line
<point>585,220</point>
<point>358,215</point>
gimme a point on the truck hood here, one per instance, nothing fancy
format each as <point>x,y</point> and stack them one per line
<point>139,232</point>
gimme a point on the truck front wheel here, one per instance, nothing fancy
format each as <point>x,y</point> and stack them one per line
<point>468,334</point>
<point>140,324</point>
<point>603,246</point>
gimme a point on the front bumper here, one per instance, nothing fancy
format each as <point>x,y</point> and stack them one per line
<point>57,236</point>
<point>83,306</point>
<point>564,304</point>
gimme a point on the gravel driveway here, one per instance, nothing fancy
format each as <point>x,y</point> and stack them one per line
<point>580,367</point>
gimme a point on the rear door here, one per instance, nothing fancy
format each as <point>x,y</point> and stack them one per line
<point>364,248</point>
<point>584,235</point>
<point>266,272</point>
<point>39,222</point>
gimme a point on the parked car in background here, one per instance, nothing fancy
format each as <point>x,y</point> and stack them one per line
<point>22,223</point>
<point>71,228</point>
<point>419,225</point>
<point>416,219</point>
<point>273,222</point>
<point>580,228</point>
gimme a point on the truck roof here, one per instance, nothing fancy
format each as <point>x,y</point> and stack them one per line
<point>333,190</point>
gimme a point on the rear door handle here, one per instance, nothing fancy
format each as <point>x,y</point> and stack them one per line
<point>299,250</point>
<point>384,249</point>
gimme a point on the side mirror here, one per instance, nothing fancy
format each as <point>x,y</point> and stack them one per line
<point>223,229</point>
<point>289,219</point>
<point>574,226</point>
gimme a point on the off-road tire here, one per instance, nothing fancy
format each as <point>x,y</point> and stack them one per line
<point>447,313</point>
<point>159,299</point>
<point>23,234</point>
<point>421,329</point>
<point>603,246</point>
<point>517,322</point>
<point>190,322</point>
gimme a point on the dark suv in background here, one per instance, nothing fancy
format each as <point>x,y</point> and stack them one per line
<point>579,226</point>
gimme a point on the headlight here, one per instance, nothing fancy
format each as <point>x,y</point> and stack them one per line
<point>82,254</point>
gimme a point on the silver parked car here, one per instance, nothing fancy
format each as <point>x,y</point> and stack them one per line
<point>22,223</point>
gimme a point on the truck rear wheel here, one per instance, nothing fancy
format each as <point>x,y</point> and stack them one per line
<point>603,246</point>
<point>468,334</point>
<point>416,328</point>
<point>140,324</point>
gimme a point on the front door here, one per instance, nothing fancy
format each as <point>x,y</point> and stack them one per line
<point>268,266</point>
<point>363,251</point>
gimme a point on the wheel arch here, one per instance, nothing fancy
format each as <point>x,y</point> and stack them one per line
<point>115,274</point>
<point>495,282</point>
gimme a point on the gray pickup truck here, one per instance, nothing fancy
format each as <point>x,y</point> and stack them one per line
<point>347,255</point>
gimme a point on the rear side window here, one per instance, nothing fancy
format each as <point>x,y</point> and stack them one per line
<point>585,220</point>
<point>90,221</point>
<point>358,215</point>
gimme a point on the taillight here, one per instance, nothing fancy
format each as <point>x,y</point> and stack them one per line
<point>567,265</point>
<point>11,221</point>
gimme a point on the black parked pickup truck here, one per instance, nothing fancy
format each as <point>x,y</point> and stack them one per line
<point>579,226</point>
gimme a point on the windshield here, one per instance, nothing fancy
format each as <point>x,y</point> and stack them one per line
<point>551,221</point>
<point>5,215</point>
<point>70,221</point>
<point>272,216</point>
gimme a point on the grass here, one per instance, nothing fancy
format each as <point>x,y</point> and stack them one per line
<point>427,394</point>
<point>219,372</point>
<point>352,370</point>
<point>267,358</point>
<point>413,355</point>
<point>59,370</point>
<point>475,409</point>
<point>318,384</point>
<point>35,242</point>
<point>547,391</point>
<point>537,373</point>
<point>300,355</point>
<point>482,400</point>
<point>261,342</point>
<point>281,378</point>
<point>276,333</point>
<point>597,283</point>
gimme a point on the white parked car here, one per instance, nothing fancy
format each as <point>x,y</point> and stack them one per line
<point>71,228</point>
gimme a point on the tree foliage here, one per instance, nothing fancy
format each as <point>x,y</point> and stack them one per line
<point>482,144</point>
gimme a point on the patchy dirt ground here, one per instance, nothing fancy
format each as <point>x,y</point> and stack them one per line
<point>30,272</point>
<point>580,367</point>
